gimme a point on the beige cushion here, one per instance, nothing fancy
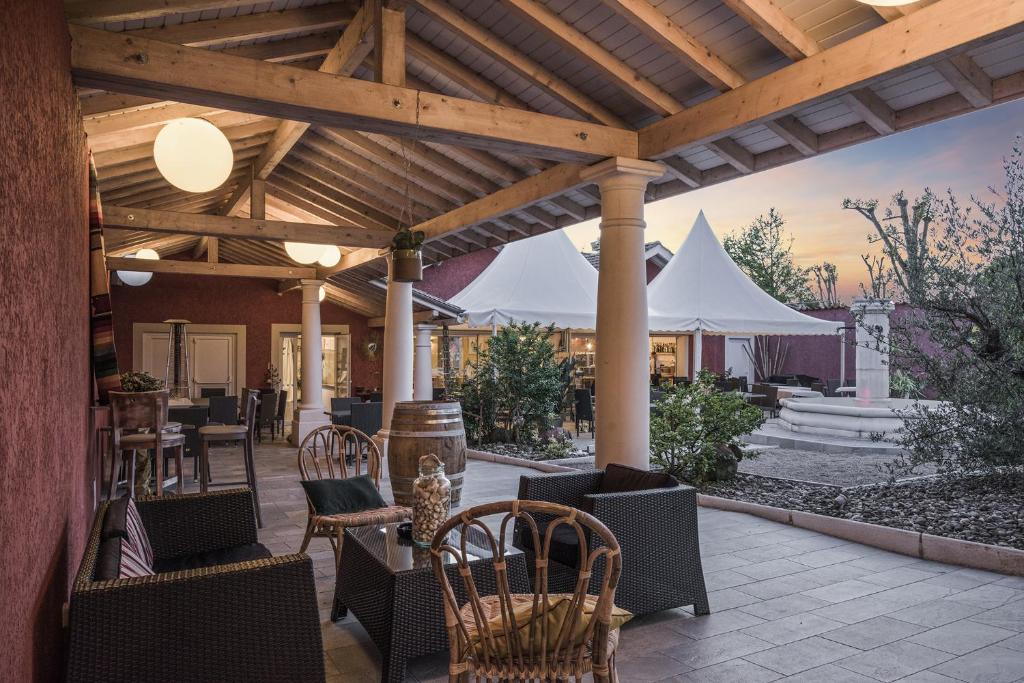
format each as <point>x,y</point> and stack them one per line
<point>223,432</point>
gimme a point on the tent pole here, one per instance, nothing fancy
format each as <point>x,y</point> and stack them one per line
<point>842,356</point>
<point>698,349</point>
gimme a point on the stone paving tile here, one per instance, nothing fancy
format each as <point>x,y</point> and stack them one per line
<point>880,561</point>
<point>844,590</point>
<point>894,661</point>
<point>961,637</point>
<point>964,579</point>
<point>717,563</point>
<point>819,542</point>
<point>936,612</point>
<point>716,623</point>
<point>872,633</point>
<point>727,578</point>
<point>1015,643</point>
<point>900,576</point>
<point>1012,582</point>
<point>1008,616</point>
<point>717,649</point>
<point>927,677</point>
<point>733,671</point>
<point>791,629</point>
<point>729,598</point>
<point>766,552</point>
<point>770,569</point>
<point>913,594</point>
<point>802,655</point>
<point>786,606</point>
<point>833,573</point>
<point>830,673</point>
<point>828,556</point>
<point>777,587</point>
<point>655,666</point>
<point>989,596</point>
<point>992,664</point>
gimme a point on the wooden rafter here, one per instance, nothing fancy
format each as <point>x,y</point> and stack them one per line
<point>203,268</point>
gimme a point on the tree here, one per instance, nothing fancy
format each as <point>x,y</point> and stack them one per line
<point>513,386</point>
<point>904,233</point>
<point>969,312</point>
<point>764,252</point>
<point>826,279</point>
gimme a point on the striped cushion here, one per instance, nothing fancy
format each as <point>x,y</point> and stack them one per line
<point>137,535</point>
<point>133,561</point>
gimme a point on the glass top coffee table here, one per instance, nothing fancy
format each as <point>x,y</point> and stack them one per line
<point>389,586</point>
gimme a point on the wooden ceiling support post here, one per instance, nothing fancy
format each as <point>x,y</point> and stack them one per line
<point>258,199</point>
<point>388,42</point>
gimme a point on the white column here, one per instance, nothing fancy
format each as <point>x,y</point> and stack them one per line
<point>623,398</point>
<point>398,348</point>
<point>698,353</point>
<point>310,413</point>
<point>423,376</point>
<point>872,320</point>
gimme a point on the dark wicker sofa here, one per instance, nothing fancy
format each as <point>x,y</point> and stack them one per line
<point>253,620</point>
<point>656,529</point>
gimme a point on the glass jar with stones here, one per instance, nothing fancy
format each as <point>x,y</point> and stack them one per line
<point>432,497</point>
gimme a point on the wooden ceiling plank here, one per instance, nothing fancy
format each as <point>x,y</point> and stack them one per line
<point>730,150</point>
<point>773,23</point>
<point>294,178</point>
<point>102,11</point>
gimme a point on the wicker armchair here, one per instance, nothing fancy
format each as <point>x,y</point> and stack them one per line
<point>656,529</point>
<point>523,637</point>
<point>255,620</point>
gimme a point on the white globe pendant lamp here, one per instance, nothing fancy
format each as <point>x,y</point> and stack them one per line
<point>323,292</point>
<point>193,155</point>
<point>300,252</point>
<point>330,256</point>
<point>136,278</point>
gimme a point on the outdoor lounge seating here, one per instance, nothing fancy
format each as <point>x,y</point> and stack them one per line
<point>652,516</point>
<point>219,606</point>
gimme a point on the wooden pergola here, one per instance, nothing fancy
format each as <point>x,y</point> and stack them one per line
<point>481,121</point>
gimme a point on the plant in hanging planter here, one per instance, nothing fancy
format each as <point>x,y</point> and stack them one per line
<point>407,255</point>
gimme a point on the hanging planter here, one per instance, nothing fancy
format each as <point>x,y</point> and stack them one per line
<point>407,256</point>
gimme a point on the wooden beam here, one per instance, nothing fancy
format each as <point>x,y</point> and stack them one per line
<point>258,199</point>
<point>388,44</point>
<point>872,109</point>
<point>926,35</point>
<point>102,11</point>
<point>790,129</point>
<point>203,268</point>
<point>970,80</point>
<point>441,61</point>
<point>774,24</point>
<point>571,38</point>
<point>212,249</point>
<point>342,60</point>
<point>673,39</point>
<point>684,171</point>
<point>486,41</point>
<point>136,65</point>
<point>736,155</point>
<point>244,228</point>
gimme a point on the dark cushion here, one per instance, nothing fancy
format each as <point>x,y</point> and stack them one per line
<point>108,559</point>
<point>622,478</point>
<point>565,544</point>
<point>115,522</point>
<point>214,558</point>
<point>343,496</point>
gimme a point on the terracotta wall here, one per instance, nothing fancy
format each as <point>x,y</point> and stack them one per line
<point>252,302</point>
<point>45,493</point>
<point>448,278</point>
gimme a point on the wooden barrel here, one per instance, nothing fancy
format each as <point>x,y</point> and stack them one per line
<point>419,428</point>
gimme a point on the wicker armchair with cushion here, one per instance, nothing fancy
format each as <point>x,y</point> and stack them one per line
<point>181,590</point>
<point>655,521</point>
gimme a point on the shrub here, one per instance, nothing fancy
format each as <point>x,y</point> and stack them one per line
<point>140,381</point>
<point>690,424</point>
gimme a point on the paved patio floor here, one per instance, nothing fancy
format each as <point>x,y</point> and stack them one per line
<point>787,604</point>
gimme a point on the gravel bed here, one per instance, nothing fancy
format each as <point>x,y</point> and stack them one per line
<point>841,469</point>
<point>983,508</point>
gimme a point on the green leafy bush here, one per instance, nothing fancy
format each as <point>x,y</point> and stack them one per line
<point>140,381</point>
<point>691,424</point>
<point>513,385</point>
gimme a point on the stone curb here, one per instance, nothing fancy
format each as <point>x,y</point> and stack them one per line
<point>539,465</point>
<point>913,543</point>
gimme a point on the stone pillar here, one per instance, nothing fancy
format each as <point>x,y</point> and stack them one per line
<point>623,397</point>
<point>310,412</point>
<point>398,348</point>
<point>423,376</point>
<point>872,320</point>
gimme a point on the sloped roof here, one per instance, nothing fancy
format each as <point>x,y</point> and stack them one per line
<point>701,288</point>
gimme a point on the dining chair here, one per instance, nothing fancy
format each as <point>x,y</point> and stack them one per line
<point>530,636</point>
<point>320,458</point>
<point>368,417</point>
<point>224,410</point>
<point>266,415</point>
<point>341,405</point>
<point>282,403</point>
<point>139,423</point>
<point>233,434</point>
<point>818,386</point>
<point>583,410</point>
<point>209,392</point>
<point>792,382</point>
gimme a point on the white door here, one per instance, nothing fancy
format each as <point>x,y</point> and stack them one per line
<point>213,362</point>
<point>212,359</point>
<point>737,362</point>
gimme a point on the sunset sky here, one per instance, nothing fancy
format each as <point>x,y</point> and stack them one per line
<point>964,154</point>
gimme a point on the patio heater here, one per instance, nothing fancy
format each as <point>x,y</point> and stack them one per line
<point>176,378</point>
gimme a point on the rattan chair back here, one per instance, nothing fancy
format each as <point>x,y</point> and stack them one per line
<point>500,653</point>
<point>322,454</point>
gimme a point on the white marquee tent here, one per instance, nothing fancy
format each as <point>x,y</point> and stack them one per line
<point>703,291</point>
<point>542,279</point>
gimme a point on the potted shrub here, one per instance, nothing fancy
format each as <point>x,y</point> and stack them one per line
<point>140,381</point>
<point>407,256</point>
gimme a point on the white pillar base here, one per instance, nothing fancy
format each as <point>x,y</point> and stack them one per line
<point>305,421</point>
